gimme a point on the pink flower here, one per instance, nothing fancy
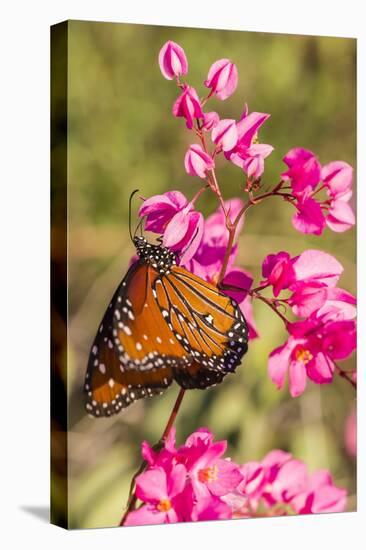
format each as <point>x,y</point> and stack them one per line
<point>173,216</point>
<point>339,305</point>
<point>304,171</point>
<point>188,106</point>
<point>309,217</point>
<point>225,134</point>
<point>319,495</point>
<point>304,174</point>
<point>163,494</point>
<point>311,277</point>
<point>208,472</point>
<point>172,60</point>
<point>340,216</point>
<point>310,352</point>
<point>165,456</point>
<point>210,120</point>
<point>246,153</point>
<point>194,482</point>
<point>350,433</point>
<point>279,479</point>
<point>211,508</point>
<point>278,271</point>
<point>222,78</point>
<point>316,265</point>
<point>197,162</point>
<point>307,275</point>
<point>337,176</point>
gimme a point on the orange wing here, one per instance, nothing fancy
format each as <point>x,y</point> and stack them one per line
<point>208,324</point>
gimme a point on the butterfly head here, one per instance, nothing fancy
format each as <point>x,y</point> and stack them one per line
<point>160,257</point>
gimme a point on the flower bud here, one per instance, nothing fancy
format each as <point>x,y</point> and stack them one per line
<point>197,161</point>
<point>210,120</point>
<point>225,134</point>
<point>172,60</point>
<point>188,106</point>
<point>222,78</point>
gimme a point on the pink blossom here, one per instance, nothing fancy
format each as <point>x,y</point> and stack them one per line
<point>222,78</point>
<point>237,283</point>
<point>211,508</point>
<point>175,218</point>
<point>248,127</point>
<point>310,352</point>
<point>307,276</point>
<point>209,473</point>
<point>316,265</point>
<point>319,495</point>
<point>197,162</point>
<point>172,60</point>
<point>281,485</point>
<point>339,305</point>
<point>246,153</point>
<point>195,482</point>
<point>188,106</point>
<point>340,216</point>
<point>309,218</point>
<point>311,277</point>
<point>278,271</point>
<point>315,273</point>
<point>304,171</point>
<point>337,176</point>
<point>165,456</point>
<point>210,120</point>
<point>225,134</point>
<point>163,495</point>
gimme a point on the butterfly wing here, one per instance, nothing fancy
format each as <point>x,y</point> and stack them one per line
<point>208,324</point>
<point>134,351</point>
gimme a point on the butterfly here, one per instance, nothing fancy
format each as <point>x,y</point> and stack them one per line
<point>163,324</point>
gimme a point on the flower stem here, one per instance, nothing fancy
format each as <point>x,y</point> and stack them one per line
<point>347,375</point>
<point>131,503</point>
<point>270,304</point>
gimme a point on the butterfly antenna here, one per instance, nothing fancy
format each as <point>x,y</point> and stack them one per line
<point>129,212</point>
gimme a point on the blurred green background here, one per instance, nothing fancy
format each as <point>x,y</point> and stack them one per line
<point>122,136</point>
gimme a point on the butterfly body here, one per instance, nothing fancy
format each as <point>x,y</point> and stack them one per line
<point>162,324</point>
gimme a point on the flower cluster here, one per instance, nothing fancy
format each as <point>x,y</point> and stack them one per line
<point>326,333</point>
<point>195,482</point>
<point>239,143</point>
<point>307,177</point>
<point>238,140</point>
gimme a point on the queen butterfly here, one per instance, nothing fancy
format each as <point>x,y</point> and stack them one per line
<point>162,324</point>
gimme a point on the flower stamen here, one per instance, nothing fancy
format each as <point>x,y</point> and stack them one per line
<point>206,475</point>
<point>164,505</point>
<point>303,355</point>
